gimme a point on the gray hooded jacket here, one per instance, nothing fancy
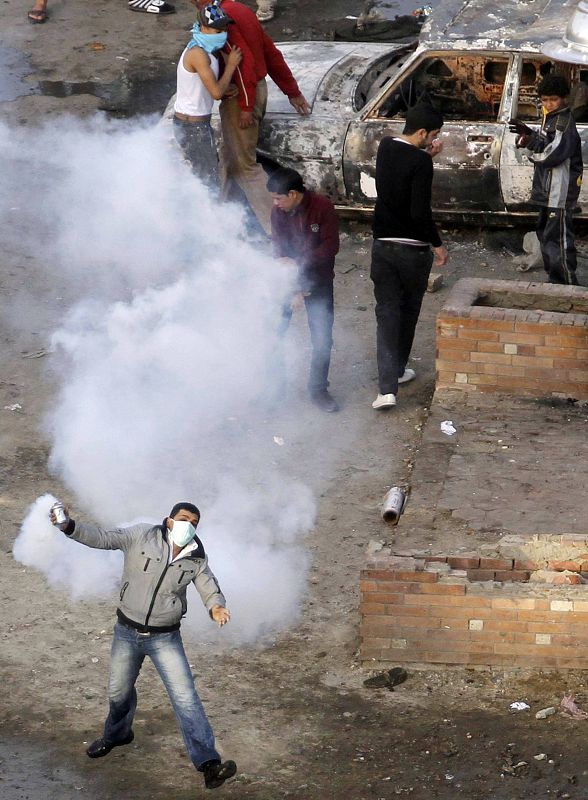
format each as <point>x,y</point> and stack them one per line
<point>153,591</point>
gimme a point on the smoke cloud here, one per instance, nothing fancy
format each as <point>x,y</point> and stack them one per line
<point>165,353</point>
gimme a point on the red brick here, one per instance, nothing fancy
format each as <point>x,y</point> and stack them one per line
<point>450,356</point>
<point>411,611</point>
<point>372,608</point>
<point>496,563</point>
<point>383,597</point>
<point>443,365</point>
<point>492,358</point>
<point>522,338</point>
<point>457,562</point>
<point>571,339</point>
<point>480,575</point>
<point>394,587</point>
<point>504,369</point>
<point>496,325</point>
<point>532,328</point>
<point>510,626</point>
<point>443,588</point>
<point>523,603</point>
<point>418,577</point>
<point>457,344</point>
<point>511,575</point>
<point>367,586</point>
<point>559,566</point>
<point>380,574</point>
<point>557,352</point>
<point>405,625</point>
<point>443,559</point>
<point>525,565</point>
<point>478,335</point>
<point>532,361</point>
<point>489,347</point>
<point>566,580</point>
<point>466,601</point>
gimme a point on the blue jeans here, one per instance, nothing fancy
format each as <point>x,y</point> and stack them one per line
<point>166,650</point>
<point>320,314</point>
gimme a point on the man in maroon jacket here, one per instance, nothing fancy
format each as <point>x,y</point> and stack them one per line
<point>305,232</point>
<point>241,116</point>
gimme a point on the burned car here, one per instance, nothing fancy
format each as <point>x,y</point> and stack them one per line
<point>478,64</point>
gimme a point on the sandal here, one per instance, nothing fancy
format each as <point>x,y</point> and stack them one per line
<point>151,6</point>
<point>37,16</point>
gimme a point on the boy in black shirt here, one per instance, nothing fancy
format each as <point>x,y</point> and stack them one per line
<point>404,233</point>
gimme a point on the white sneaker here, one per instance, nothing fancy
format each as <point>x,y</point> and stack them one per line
<point>384,401</point>
<point>408,375</point>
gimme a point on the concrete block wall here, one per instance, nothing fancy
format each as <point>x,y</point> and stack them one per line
<point>530,350</point>
<point>469,611</point>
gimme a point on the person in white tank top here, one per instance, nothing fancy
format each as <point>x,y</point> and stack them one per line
<point>198,86</point>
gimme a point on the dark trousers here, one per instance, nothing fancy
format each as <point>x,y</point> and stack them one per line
<point>197,141</point>
<point>555,232</point>
<point>400,274</point>
<point>320,314</point>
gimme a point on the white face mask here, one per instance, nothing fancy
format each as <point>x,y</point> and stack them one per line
<point>182,532</point>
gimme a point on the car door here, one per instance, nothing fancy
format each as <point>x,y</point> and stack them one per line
<point>467,87</point>
<point>516,170</point>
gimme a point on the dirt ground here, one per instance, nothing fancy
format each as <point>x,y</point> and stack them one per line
<point>291,711</point>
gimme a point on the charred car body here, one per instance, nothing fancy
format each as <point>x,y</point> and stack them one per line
<point>480,66</point>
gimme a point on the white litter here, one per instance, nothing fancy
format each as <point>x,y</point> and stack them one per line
<point>448,427</point>
<point>519,705</point>
<point>279,441</point>
<point>13,407</point>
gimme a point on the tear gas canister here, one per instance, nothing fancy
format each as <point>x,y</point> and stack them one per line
<point>58,510</point>
<point>393,505</point>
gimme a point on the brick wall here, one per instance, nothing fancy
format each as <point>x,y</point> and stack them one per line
<point>539,349</point>
<point>470,611</point>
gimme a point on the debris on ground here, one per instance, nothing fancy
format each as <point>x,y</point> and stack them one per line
<point>448,427</point>
<point>519,705</point>
<point>569,708</point>
<point>545,712</point>
<point>387,680</point>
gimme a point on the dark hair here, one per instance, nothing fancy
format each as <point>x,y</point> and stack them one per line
<point>422,115</point>
<point>284,180</point>
<point>184,507</point>
<point>553,85</point>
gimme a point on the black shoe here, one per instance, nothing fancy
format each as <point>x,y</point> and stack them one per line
<point>217,772</point>
<point>102,747</point>
<point>324,401</point>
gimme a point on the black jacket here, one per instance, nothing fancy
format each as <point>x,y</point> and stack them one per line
<point>556,152</point>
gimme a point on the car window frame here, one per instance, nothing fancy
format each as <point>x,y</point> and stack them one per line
<point>419,56</point>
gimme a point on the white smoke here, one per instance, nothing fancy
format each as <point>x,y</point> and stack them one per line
<point>164,358</point>
<point>83,573</point>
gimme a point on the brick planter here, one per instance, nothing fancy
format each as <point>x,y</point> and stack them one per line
<point>477,611</point>
<point>513,336</point>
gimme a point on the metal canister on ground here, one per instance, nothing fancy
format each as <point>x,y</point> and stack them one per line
<point>58,510</point>
<point>393,505</point>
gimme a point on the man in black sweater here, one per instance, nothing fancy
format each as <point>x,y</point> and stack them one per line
<point>404,233</point>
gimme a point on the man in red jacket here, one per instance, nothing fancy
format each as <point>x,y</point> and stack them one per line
<point>305,232</point>
<point>241,116</point>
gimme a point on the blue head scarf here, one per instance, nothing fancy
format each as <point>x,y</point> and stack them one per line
<point>207,41</point>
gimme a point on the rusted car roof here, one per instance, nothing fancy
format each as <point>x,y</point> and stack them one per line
<point>508,24</point>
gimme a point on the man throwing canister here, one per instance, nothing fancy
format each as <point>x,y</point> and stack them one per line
<point>160,561</point>
<point>404,233</point>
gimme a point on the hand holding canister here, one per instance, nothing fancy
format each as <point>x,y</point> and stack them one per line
<point>59,514</point>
